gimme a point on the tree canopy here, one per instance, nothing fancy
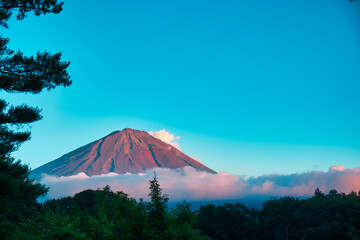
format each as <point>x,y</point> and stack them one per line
<point>323,216</point>
<point>22,7</point>
<point>22,74</point>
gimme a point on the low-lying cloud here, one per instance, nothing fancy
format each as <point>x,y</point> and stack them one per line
<point>191,185</point>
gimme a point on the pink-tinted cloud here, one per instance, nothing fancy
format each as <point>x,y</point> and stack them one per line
<point>337,168</point>
<point>189,184</point>
<point>166,137</point>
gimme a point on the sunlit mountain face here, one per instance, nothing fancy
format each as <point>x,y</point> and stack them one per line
<point>126,151</point>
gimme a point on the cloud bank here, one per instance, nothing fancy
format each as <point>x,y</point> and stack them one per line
<point>166,137</point>
<point>191,185</point>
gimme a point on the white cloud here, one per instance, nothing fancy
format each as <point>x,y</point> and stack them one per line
<point>189,184</point>
<point>166,137</point>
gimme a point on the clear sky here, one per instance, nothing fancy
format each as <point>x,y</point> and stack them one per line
<point>251,87</point>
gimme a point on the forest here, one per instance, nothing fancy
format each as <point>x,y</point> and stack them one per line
<point>104,214</point>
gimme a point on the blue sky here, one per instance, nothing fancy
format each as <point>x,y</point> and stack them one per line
<point>251,87</point>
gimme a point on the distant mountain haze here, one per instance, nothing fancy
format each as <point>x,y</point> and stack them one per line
<point>126,151</point>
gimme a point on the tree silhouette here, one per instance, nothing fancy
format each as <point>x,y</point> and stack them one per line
<point>157,208</point>
<point>22,74</point>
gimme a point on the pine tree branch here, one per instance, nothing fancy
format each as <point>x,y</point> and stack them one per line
<point>10,73</point>
<point>13,6</point>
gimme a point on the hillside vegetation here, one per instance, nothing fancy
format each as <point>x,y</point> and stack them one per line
<point>104,214</point>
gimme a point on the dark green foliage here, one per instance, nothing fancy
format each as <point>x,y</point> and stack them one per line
<point>164,224</point>
<point>230,221</point>
<point>130,217</point>
<point>21,74</point>
<point>279,218</point>
<point>183,221</point>
<point>86,200</point>
<point>7,7</point>
<point>18,116</point>
<point>11,231</point>
<point>103,214</point>
<point>183,214</point>
<point>18,194</point>
<point>332,216</point>
<point>157,210</point>
<point>50,225</point>
<point>32,74</point>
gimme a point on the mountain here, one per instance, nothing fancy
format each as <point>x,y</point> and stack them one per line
<point>126,151</point>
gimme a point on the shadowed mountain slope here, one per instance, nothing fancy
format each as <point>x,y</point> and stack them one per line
<point>126,151</point>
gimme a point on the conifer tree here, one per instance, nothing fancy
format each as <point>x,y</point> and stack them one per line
<point>22,74</point>
<point>157,219</point>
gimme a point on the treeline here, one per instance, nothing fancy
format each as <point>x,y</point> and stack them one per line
<point>97,214</point>
<point>104,214</point>
<point>323,216</point>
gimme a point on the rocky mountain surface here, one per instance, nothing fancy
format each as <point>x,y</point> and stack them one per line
<point>126,151</point>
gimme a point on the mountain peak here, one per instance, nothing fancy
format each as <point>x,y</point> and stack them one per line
<point>129,130</point>
<point>123,151</point>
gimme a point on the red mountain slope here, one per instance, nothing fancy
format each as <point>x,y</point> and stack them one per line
<point>120,152</point>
